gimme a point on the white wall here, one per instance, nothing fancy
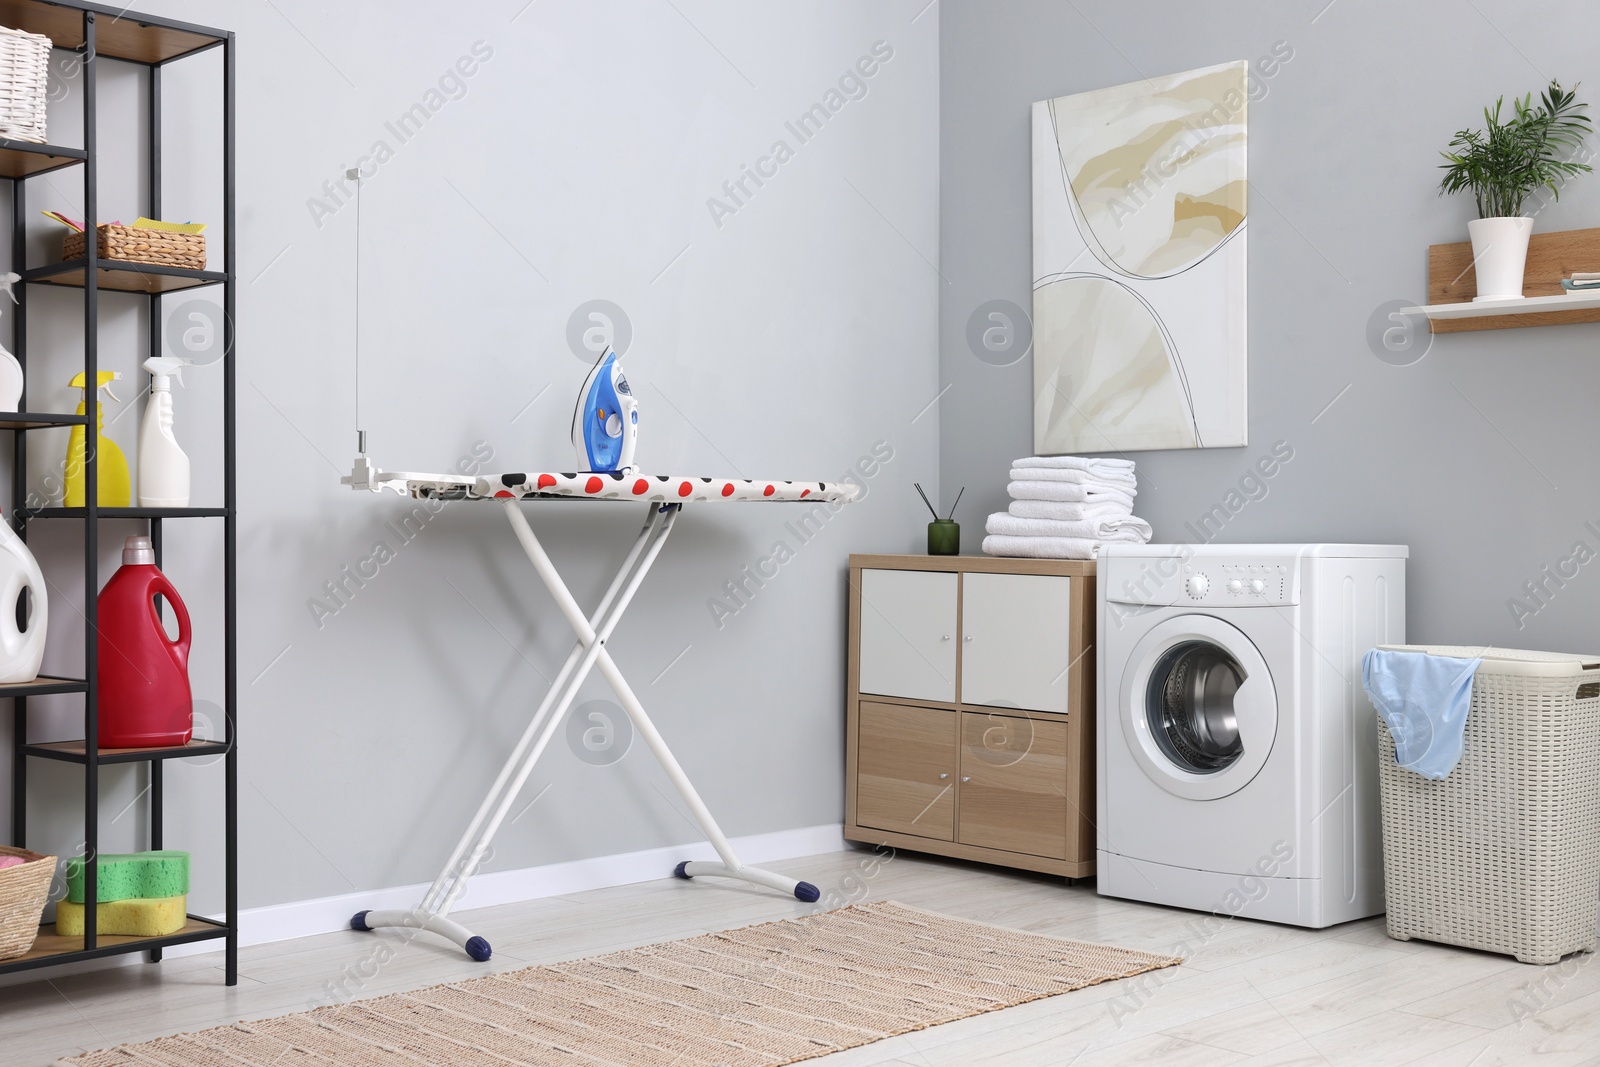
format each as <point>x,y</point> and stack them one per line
<point>575,164</point>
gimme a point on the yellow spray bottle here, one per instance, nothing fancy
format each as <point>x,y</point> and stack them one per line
<point>115,487</point>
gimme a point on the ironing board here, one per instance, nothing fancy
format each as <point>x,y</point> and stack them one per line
<point>665,497</point>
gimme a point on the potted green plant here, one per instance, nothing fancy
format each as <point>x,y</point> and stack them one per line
<point>1501,165</point>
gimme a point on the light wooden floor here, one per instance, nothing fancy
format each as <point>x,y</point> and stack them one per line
<point>1250,993</point>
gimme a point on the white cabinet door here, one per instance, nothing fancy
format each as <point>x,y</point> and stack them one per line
<point>908,634</point>
<point>1015,637</point>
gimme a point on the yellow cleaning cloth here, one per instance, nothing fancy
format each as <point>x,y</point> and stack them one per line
<point>132,918</point>
<point>71,224</point>
<point>142,223</point>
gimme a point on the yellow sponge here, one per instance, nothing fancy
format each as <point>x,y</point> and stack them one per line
<point>155,917</point>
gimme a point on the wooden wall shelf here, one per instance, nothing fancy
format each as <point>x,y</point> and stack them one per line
<point>1452,283</point>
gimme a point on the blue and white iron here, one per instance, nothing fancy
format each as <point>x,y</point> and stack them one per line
<point>605,424</point>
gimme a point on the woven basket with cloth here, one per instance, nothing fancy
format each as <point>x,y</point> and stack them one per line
<point>136,244</point>
<point>24,891</point>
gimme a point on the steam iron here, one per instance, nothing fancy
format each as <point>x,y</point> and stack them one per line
<point>605,423</point>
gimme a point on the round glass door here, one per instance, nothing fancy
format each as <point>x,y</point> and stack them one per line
<point>1197,707</point>
<point>1190,707</point>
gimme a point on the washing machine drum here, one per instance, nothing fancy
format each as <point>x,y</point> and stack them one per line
<point>1199,708</point>
<point>1190,707</point>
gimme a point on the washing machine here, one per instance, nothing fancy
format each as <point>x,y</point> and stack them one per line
<point>1237,751</point>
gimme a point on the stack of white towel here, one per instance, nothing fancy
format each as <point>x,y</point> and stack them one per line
<point>1066,507</point>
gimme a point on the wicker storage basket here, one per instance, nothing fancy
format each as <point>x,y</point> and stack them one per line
<point>24,74</point>
<point>1504,854</point>
<point>130,245</point>
<point>24,891</point>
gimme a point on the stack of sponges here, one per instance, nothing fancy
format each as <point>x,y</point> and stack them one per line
<point>141,894</point>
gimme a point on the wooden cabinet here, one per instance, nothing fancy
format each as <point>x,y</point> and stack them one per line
<point>970,709</point>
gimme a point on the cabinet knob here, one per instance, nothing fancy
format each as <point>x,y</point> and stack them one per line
<point>945,637</point>
<point>967,638</point>
<point>966,777</point>
<point>942,777</point>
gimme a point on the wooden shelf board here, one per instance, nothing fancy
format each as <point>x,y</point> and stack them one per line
<point>1452,283</point>
<point>127,277</point>
<point>125,513</point>
<point>78,751</point>
<point>975,709</point>
<point>42,685</point>
<point>1072,568</point>
<point>1528,305</point>
<point>38,420</point>
<point>18,159</point>
<point>50,944</point>
<point>117,35</point>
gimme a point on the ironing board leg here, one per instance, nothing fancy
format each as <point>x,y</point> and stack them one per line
<point>731,866</point>
<point>452,880</point>
<point>589,653</point>
<point>453,872</point>
<point>473,945</point>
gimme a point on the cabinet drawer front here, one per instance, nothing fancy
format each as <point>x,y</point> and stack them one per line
<point>908,634</point>
<point>1016,640</point>
<point>1014,784</point>
<point>906,770</point>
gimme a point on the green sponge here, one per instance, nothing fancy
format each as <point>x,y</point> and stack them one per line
<point>132,876</point>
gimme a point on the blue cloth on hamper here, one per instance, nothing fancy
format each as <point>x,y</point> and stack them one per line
<point>1424,701</point>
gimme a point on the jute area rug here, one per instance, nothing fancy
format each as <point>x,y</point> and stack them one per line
<point>762,996</point>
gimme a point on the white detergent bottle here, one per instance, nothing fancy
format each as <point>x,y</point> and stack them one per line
<point>10,369</point>
<point>21,651</point>
<point>163,468</point>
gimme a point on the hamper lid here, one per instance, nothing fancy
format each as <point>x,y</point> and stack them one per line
<point>1518,661</point>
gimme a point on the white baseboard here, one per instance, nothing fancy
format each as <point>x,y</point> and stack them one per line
<point>303,918</point>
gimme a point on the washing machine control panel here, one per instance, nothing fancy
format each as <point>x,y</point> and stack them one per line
<point>1238,582</point>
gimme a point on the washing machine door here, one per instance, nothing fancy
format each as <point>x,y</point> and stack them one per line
<point>1199,710</point>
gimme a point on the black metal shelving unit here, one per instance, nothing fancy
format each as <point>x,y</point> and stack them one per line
<point>94,32</point>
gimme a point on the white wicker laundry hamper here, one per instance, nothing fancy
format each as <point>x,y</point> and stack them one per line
<point>1504,854</point>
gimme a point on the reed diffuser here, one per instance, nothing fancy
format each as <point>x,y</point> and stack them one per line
<point>944,535</point>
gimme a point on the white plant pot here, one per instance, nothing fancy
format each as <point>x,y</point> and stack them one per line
<point>1499,253</point>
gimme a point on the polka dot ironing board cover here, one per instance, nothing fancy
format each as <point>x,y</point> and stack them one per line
<point>619,485</point>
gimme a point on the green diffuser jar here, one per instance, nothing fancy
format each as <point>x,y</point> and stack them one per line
<point>944,537</point>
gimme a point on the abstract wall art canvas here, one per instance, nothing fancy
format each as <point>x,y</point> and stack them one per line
<point>1139,197</point>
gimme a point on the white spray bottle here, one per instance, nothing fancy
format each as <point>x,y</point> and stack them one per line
<point>163,468</point>
<point>10,369</point>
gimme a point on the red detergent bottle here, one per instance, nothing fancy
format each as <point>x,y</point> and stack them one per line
<point>144,697</point>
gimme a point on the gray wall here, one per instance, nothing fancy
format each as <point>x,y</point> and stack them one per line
<point>1480,456</point>
<point>574,164</point>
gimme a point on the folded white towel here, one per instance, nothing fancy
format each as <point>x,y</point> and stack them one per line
<point>1068,492</point>
<point>1085,463</point>
<point>1080,477</point>
<point>1070,511</point>
<point>1129,528</point>
<point>1041,547</point>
